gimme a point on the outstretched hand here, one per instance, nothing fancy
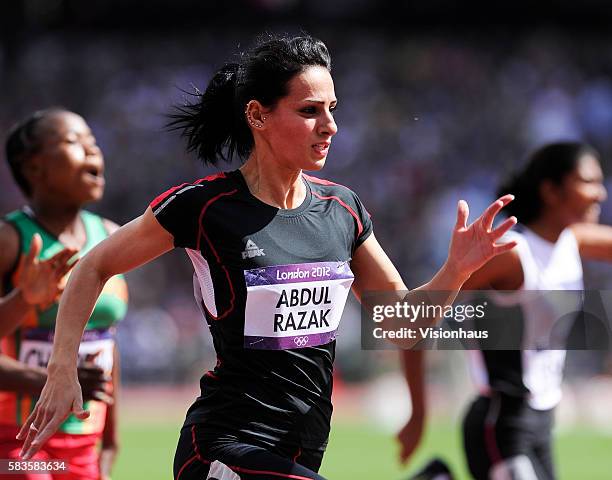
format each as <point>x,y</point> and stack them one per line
<point>40,281</point>
<point>60,397</point>
<point>474,245</point>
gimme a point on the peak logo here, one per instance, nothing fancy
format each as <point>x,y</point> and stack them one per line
<point>252,250</point>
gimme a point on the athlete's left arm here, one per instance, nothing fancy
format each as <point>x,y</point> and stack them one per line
<point>110,435</point>
<point>471,247</point>
<point>375,272</point>
<point>373,269</point>
<point>594,241</point>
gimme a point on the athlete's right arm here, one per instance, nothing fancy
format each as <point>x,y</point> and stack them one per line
<point>134,244</point>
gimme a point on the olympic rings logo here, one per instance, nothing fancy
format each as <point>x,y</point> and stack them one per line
<point>300,341</point>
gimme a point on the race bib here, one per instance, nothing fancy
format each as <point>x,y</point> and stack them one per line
<point>295,306</point>
<point>96,346</point>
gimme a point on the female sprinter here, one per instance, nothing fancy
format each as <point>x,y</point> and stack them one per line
<point>507,430</point>
<point>275,252</point>
<point>54,159</point>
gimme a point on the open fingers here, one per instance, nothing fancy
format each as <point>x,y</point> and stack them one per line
<point>26,450</point>
<point>492,210</point>
<point>26,425</point>
<point>35,248</point>
<point>40,431</point>
<point>504,247</point>
<point>61,258</point>
<point>503,228</point>
<point>45,432</point>
<point>463,212</point>
<point>33,428</point>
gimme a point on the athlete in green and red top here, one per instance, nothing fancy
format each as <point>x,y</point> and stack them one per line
<point>54,159</point>
<point>275,253</point>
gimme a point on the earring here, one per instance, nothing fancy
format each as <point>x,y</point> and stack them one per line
<point>254,123</point>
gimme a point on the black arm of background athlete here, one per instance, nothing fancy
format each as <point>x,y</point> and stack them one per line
<point>18,377</point>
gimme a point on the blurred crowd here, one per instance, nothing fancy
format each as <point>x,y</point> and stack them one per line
<point>424,119</point>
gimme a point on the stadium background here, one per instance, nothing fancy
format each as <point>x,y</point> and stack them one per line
<point>436,102</point>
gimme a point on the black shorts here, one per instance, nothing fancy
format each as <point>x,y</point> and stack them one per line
<point>503,433</point>
<point>198,448</point>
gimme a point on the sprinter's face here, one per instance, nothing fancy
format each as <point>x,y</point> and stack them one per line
<point>69,164</point>
<point>582,192</point>
<point>299,129</point>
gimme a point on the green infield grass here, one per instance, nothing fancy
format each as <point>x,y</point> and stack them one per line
<point>361,451</point>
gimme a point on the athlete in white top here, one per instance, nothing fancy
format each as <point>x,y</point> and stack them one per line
<point>508,427</point>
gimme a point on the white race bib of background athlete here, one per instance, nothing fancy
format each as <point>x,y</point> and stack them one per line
<point>96,347</point>
<point>295,306</point>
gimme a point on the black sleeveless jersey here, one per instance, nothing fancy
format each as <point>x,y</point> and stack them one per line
<point>272,284</point>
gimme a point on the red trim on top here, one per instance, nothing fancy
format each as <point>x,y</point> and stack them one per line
<point>194,444</point>
<point>202,233</point>
<point>297,455</point>
<point>212,177</point>
<point>160,198</point>
<point>321,181</point>
<point>328,183</point>
<point>185,465</point>
<point>351,211</point>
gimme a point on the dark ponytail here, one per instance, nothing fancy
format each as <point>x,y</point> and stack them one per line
<point>212,125</point>
<point>215,125</point>
<point>552,163</point>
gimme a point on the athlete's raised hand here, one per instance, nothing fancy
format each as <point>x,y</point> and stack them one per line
<point>60,397</point>
<point>474,245</point>
<point>40,281</point>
